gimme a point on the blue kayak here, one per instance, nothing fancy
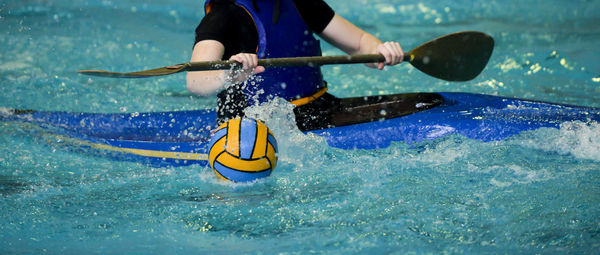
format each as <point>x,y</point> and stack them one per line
<point>181,137</point>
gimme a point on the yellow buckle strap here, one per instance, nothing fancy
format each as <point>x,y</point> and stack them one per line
<point>308,99</point>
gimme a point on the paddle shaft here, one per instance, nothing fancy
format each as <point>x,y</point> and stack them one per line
<point>297,61</point>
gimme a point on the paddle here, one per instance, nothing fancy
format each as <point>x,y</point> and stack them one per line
<point>454,57</point>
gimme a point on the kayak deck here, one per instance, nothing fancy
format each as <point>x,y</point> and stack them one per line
<point>475,116</point>
<point>180,138</point>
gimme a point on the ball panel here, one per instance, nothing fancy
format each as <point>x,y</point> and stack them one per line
<point>250,165</point>
<point>247,137</point>
<point>233,137</point>
<point>237,176</point>
<point>272,155</point>
<point>260,144</point>
<point>218,135</point>
<point>219,174</point>
<point>217,148</point>
<point>272,141</point>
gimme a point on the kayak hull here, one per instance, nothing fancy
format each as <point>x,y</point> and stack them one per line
<point>180,138</point>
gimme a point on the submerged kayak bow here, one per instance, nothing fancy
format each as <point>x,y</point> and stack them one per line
<point>458,56</point>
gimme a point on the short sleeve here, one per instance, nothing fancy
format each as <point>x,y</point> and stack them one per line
<point>214,26</point>
<point>316,14</point>
<point>230,25</point>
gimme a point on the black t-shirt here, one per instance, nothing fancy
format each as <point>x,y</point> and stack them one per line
<point>234,28</point>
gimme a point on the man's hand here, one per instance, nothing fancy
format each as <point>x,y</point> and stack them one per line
<point>250,67</point>
<point>393,53</point>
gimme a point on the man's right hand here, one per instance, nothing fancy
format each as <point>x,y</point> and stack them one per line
<point>250,67</point>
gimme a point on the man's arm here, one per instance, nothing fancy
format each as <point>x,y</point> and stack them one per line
<point>353,40</point>
<point>206,83</point>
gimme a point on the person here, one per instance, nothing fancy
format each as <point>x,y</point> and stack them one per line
<point>247,30</point>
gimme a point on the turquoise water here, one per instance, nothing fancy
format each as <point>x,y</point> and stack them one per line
<point>537,192</point>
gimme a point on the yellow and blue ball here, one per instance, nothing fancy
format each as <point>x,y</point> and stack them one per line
<point>242,150</point>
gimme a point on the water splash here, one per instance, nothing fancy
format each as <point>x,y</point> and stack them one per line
<point>582,140</point>
<point>295,147</point>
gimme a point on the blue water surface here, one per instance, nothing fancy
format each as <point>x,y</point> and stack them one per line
<point>537,192</point>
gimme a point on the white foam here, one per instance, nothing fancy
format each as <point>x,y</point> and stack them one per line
<point>294,146</point>
<point>6,111</point>
<point>580,139</point>
<point>577,138</point>
<point>517,174</point>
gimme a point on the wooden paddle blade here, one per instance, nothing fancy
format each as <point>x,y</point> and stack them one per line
<point>455,57</point>
<point>141,74</point>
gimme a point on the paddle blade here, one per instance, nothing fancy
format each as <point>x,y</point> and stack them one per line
<point>455,57</point>
<point>141,74</point>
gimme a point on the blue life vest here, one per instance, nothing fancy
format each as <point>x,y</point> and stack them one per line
<point>288,37</point>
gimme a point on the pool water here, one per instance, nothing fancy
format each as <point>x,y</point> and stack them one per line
<point>537,192</point>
